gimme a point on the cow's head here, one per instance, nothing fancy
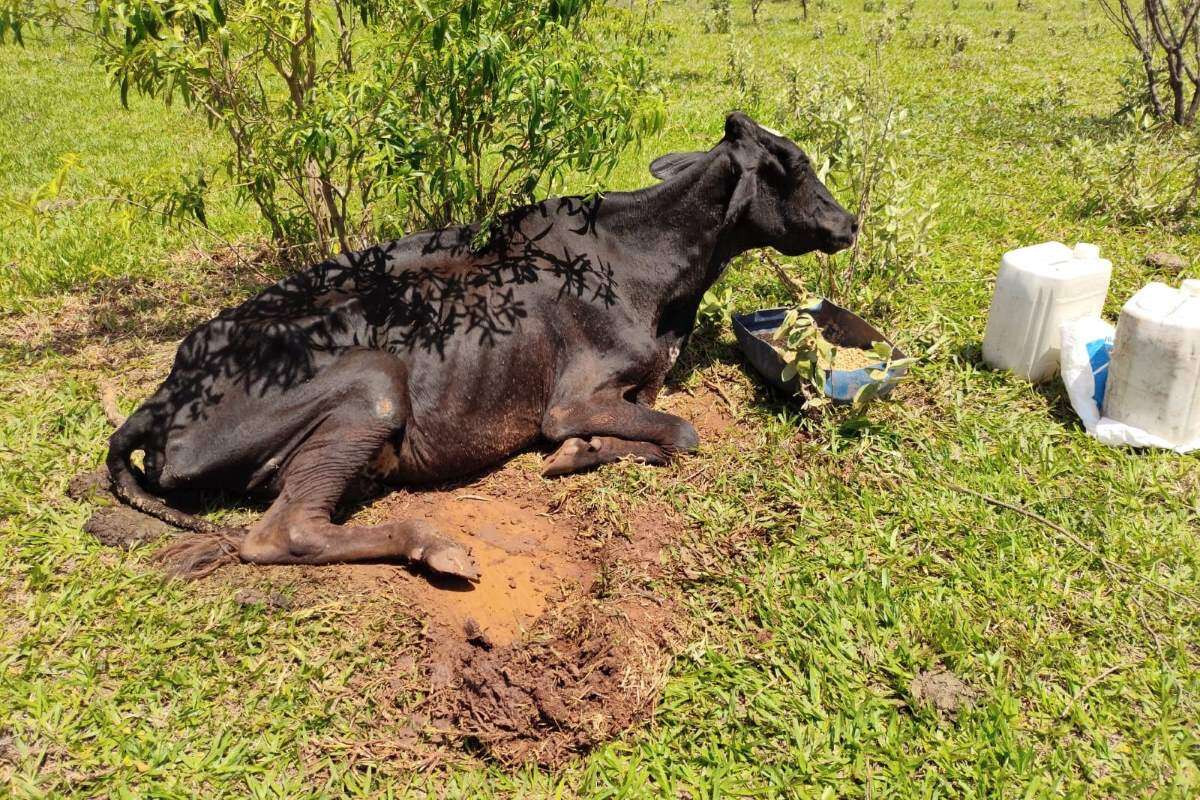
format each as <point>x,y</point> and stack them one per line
<point>777,200</point>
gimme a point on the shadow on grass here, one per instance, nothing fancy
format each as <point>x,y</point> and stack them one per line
<point>707,349</point>
<point>1051,391</point>
<point>1059,404</point>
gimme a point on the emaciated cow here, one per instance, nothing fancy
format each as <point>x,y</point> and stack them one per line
<point>424,360</point>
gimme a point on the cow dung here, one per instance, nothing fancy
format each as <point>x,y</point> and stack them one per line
<point>941,690</point>
<point>122,527</point>
<point>1168,262</point>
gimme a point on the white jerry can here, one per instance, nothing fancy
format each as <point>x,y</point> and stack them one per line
<point>1154,376</point>
<point>1038,288</point>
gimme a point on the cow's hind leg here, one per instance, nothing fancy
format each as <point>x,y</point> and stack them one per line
<point>367,406</point>
<point>297,528</point>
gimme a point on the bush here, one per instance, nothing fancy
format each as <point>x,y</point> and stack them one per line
<point>719,16</point>
<point>953,37</point>
<point>349,120</point>
<point>1142,174</point>
<point>743,78</point>
<point>856,138</point>
<point>1165,37</point>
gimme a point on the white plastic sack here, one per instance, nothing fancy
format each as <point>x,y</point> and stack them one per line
<point>1086,350</point>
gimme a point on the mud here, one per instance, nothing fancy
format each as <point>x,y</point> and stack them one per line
<point>122,527</point>
<point>559,646</point>
<point>585,674</point>
<point>527,559</point>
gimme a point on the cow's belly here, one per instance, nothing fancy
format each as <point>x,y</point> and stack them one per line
<point>444,448</point>
<point>470,409</point>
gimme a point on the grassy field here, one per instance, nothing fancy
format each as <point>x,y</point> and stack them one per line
<point>833,566</point>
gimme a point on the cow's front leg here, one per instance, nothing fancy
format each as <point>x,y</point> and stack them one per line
<point>578,455</point>
<point>615,428</point>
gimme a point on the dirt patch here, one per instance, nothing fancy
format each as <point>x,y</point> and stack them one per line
<point>560,645</point>
<point>274,600</point>
<point>710,412</point>
<point>162,308</point>
<point>564,642</point>
<point>942,690</point>
<point>586,673</point>
<point>121,526</point>
<point>527,558</point>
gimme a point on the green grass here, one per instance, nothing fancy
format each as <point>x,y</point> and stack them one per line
<point>830,568</point>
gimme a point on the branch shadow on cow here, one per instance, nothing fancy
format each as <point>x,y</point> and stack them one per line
<point>309,367</point>
<point>284,335</point>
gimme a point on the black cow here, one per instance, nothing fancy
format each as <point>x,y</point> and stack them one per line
<point>424,359</point>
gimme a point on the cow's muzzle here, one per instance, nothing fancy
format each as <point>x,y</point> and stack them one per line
<point>840,235</point>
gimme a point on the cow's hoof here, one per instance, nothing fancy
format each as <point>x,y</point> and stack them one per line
<point>572,455</point>
<point>688,440</point>
<point>451,559</point>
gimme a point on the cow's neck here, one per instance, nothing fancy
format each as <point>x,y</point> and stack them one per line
<point>679,224</point>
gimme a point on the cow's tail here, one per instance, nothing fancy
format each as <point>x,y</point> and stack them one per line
<point>191,556</point>
<point>127,478</point>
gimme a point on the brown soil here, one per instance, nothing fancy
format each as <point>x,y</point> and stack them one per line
<point>585,673</point>
<point>121,526</point>
<point>558,646</point>
<point>527,558</point>
<point>712,414</point>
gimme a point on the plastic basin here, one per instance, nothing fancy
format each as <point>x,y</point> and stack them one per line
<point>839,327</point>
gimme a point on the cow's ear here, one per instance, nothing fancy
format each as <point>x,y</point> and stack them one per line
<point>746,154</point>
<point>672,164</point>
<point>743,194</point>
